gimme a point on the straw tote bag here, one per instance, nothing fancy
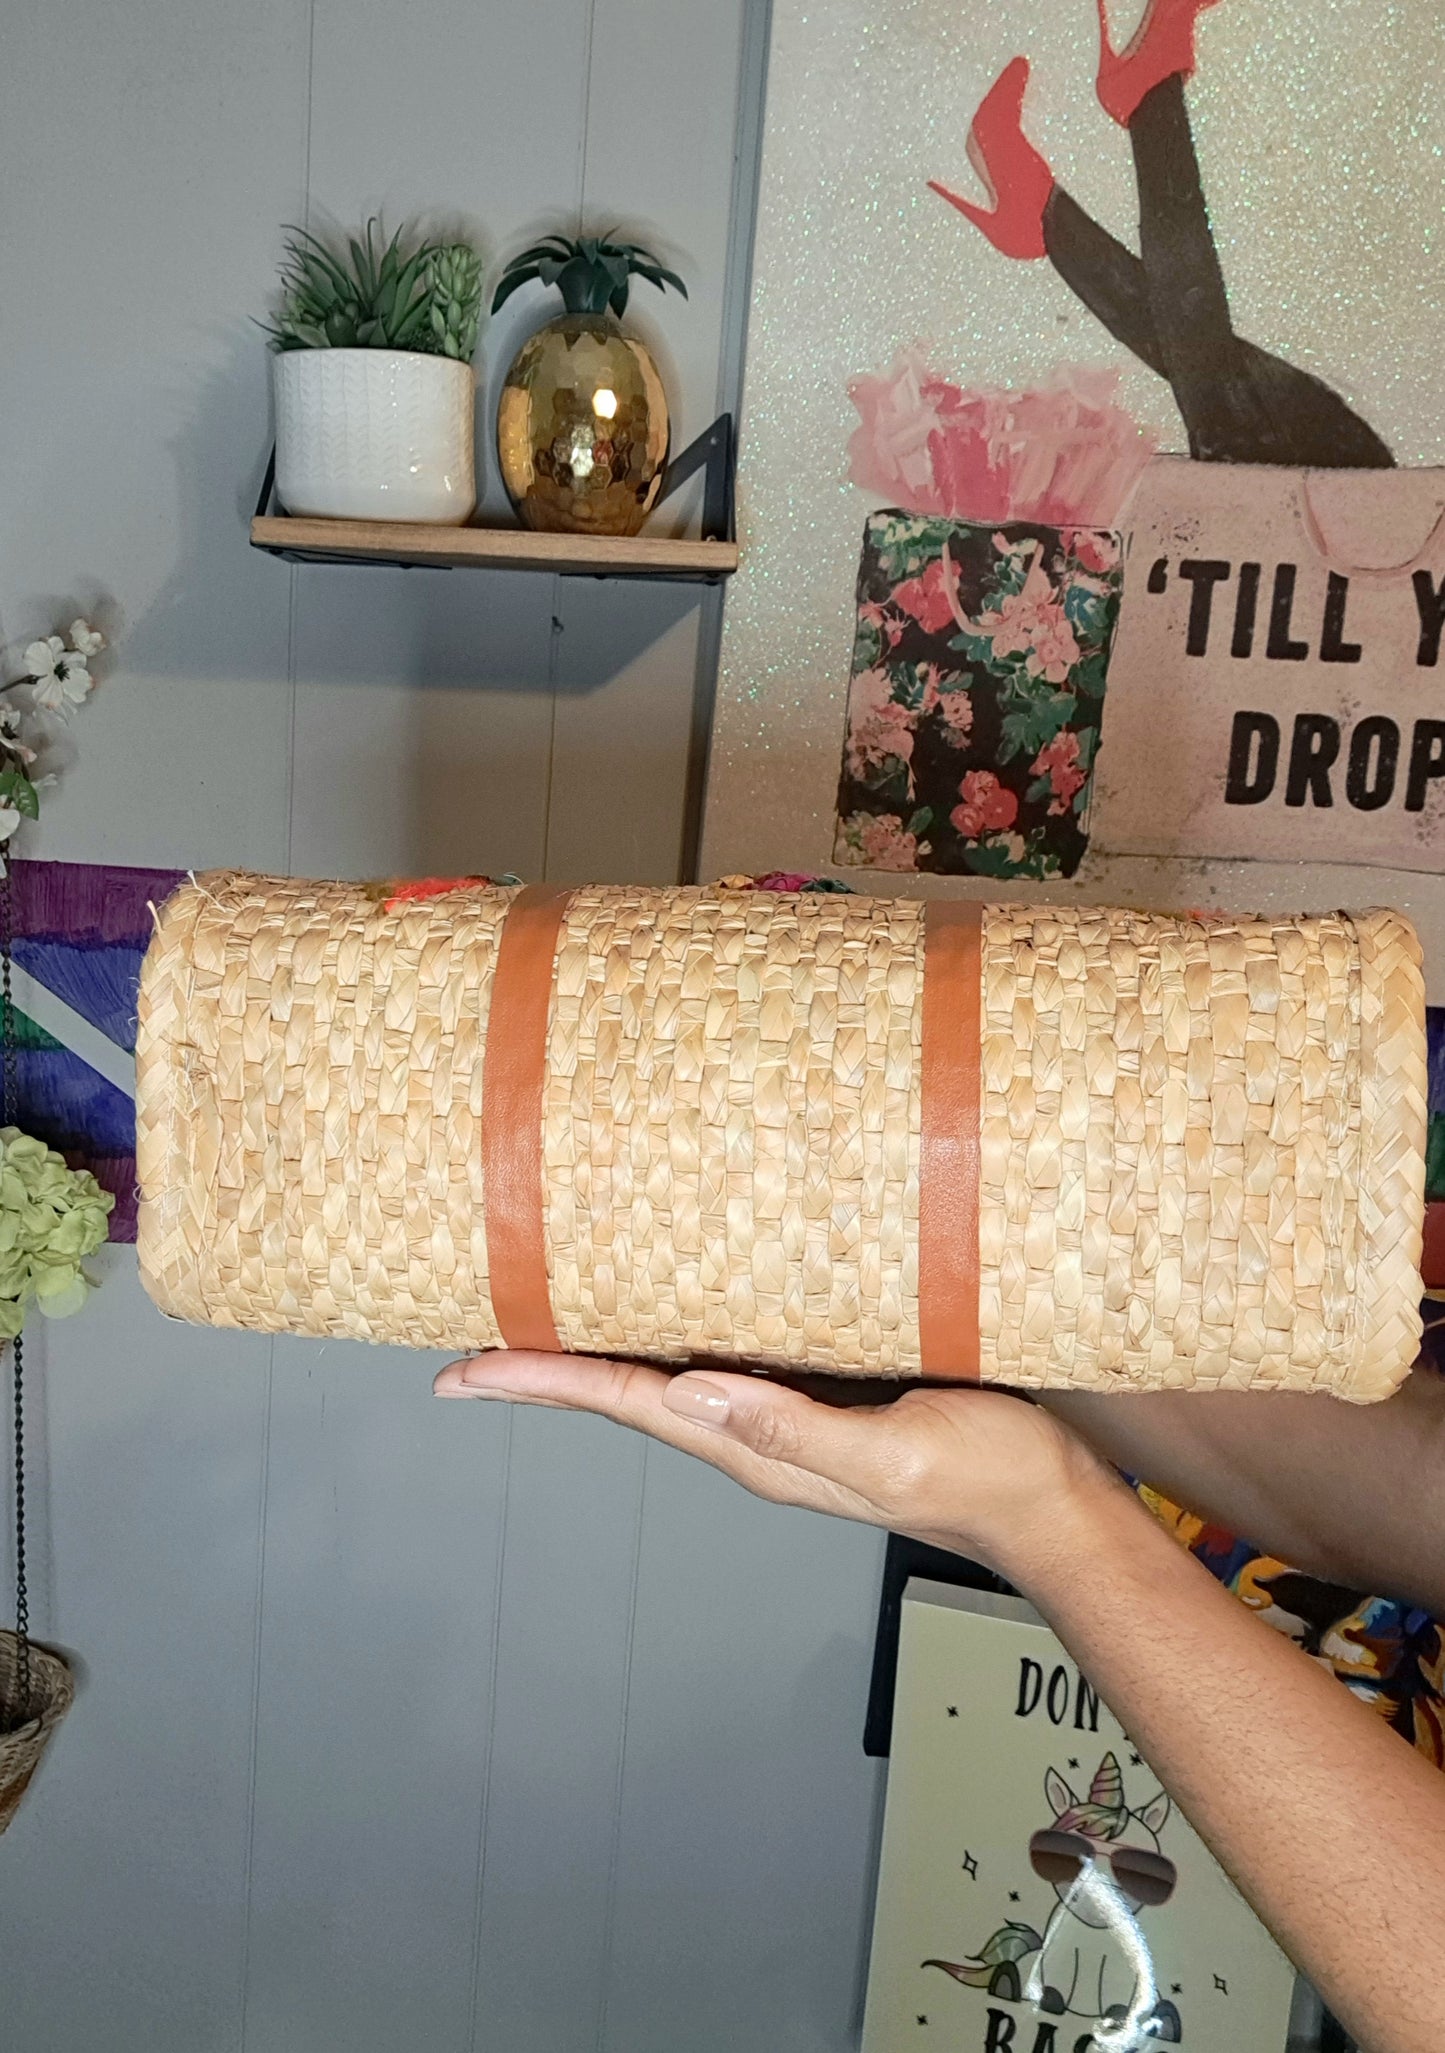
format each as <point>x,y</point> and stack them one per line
<point>1277,689</point>
<point>1031,1146</point>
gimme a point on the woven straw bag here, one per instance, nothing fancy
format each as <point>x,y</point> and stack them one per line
<point>51,1689</point>
<point>1047,1148</point>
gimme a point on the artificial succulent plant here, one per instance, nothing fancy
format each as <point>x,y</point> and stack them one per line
<point>429,300</point>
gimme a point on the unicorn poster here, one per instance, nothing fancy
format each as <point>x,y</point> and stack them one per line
<point>1039,1892</point>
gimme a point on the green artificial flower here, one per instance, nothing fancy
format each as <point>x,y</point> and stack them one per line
<point>51,1218</point>
<point>72,1235</point>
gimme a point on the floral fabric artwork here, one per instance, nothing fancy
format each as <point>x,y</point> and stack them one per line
<point>976,703</point>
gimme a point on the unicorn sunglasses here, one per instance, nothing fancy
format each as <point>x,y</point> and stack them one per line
<point>1061,1857</point>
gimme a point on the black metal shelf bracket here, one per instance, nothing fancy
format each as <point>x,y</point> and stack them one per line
<point>714,452</point>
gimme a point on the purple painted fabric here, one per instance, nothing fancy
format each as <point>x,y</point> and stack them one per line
<point>81,930</point>
<point>1435,1046</point>
<point>97,903</point>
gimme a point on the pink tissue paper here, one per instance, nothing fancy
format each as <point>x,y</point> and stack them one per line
<point>1064,452</point>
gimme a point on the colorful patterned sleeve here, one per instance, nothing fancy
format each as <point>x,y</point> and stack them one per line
<point>1391,1656</point>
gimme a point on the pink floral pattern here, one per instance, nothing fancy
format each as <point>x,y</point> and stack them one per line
<point>927,599</point>
<point>879,841</point>
<point>1031,623</point>
<point>881,733</point>
<point>955,709</point>
<point>986,803</point>
<point>1097,552</point>
<point>976,702</point>
<point>1058,760</point>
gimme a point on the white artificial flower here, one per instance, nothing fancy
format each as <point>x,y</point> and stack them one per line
<point>10,741</point>
<point>9,821</point>
<point>67,685</point>
<point>41,657</point>
<point>59,676</point>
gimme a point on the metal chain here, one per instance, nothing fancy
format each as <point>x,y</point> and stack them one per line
<point>22,1594</point>
<point>9,1097</point>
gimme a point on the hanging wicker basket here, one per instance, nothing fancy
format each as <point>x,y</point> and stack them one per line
<point>22,1743</point>
<point>1032,1146</point>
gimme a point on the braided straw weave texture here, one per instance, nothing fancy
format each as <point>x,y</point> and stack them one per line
<point>52,1687</point>
<point>1202,1141</point>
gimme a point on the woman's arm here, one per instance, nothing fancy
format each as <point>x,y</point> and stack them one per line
<point>1331,1825</point>
<point>1351,1493</point>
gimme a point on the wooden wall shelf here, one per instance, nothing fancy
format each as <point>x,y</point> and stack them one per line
<point>705,559</point>
<point>452,548</point>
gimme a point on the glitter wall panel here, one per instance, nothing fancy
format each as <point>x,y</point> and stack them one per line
<point>1320,141</point>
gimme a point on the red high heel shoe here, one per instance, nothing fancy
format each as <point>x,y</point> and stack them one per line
<point>1017,179</point>
<point>1161,47</point>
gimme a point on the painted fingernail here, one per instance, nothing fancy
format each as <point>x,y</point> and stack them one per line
<point>693,1397</point>
<point>471,1393</point>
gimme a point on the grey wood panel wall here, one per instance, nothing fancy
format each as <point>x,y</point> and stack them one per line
<point>402,1724</point>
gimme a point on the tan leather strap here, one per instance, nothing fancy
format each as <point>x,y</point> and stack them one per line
<point>513,1074</point>
<point>948,1169</point>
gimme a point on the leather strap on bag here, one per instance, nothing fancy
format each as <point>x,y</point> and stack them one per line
<point>514,1066</point>
<point>948,1170</point>
<point>513,1075</point>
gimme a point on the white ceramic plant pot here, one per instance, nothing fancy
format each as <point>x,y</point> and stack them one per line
<point>375,434</point>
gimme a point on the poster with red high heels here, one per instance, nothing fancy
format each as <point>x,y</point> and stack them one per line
<point>1093,453</point>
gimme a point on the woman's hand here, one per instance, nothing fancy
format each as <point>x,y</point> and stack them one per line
<point>1281,1771</point>
<point>973,1471</point>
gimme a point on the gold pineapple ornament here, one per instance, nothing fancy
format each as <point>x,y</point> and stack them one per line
<point>582,427</point>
